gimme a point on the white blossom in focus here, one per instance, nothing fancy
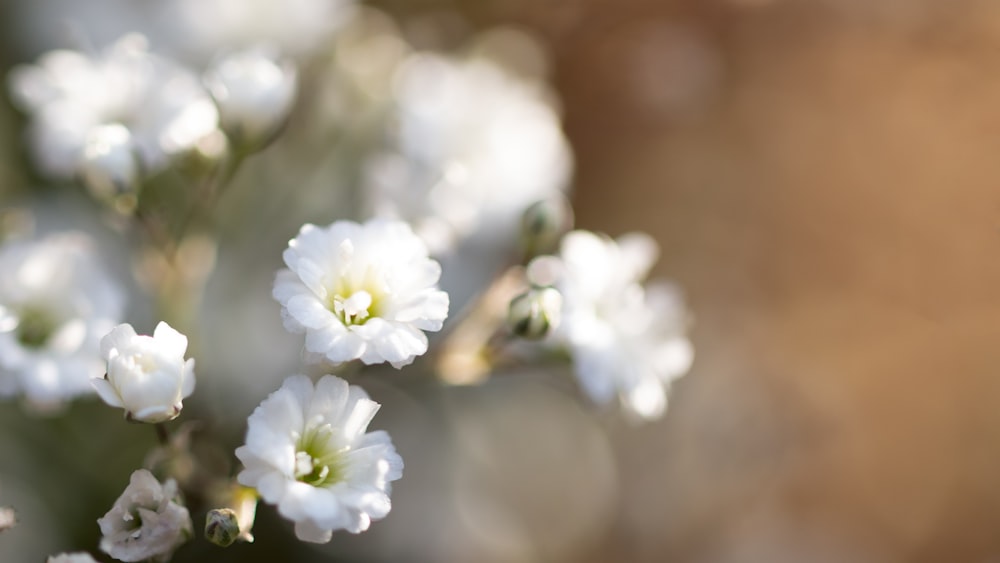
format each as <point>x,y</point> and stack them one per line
<point>473,147</point>
<point>146,375</point>
<point>626,340</point>
<point>76,557</point>
<point>361,291</point>
<point>56,302</point>
<point>308,452</point>
<point>146,522</point>
<point>68,93</point>
<point>254,93</point>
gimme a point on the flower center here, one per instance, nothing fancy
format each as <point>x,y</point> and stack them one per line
<point>35,327</point>
<point>354,309</point>
<point>317,461</point>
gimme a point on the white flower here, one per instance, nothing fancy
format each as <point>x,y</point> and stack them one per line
<point>361,291</point>
<point>8,518</point>
<point>474,147</point>
<point>146,375</point>
<point>109,165</point>
<point>56,301</point>
<point>298,27</point>
<point>164,106</point>
<point>626,340</point>
<point>76,557</point>
<point>254,94</point>
<point>307,452</point>
<point>145,522</point>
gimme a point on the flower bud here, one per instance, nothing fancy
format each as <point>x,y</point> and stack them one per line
<point>254,94</point>
<point>534,313</point>
<point>222,526</point>
<point>146,375</point>
<point>110,167</point>
<point>543,224</point>
<point>235,519</point>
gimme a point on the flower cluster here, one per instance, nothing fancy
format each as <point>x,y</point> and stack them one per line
<point>158,108</point>
<point>460,151</point>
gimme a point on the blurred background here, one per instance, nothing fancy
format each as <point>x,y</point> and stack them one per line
<point>822,177</point>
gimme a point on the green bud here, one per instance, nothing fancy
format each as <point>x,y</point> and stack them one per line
<point>222,527</point>
<point>535,313</point>
<point>543,224</point>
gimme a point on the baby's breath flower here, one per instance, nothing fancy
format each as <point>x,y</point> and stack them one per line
<point>146,375</point>
<point>361,291</point>
<point>146,522</point>
<point>254,93</point>
<point>308,452</point>
<point>56,301</point>
<point>625,339</point>
<point>163,106</point>
<point>473,147</point>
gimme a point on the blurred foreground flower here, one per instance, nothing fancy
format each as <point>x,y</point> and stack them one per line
<point>145,522</point>
<point>361,291</point>
<point>307,452</point>
<point>68,94</point>
<point>146,375</point>
<point>56,301</point>
<point>625,339</point>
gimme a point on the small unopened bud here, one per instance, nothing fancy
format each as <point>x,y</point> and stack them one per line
<point>8,518</point>
<point>235,516</point>
<point>534,313</point>
<point>110,167</point>
<point>544,223</point>
<point>222,526</point>
<point>254,94</point>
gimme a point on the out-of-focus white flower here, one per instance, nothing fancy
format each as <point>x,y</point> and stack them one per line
<point>68,94</point>
<point>109,165</point>
<point>297,27</point>
<point>307,452</point>
<point>146,375</point>
<point>474,147</point>
<point>56,301</point>
<point>146,522</point>
<point>76,557</point>
<point>361,291</point>
<point>254,94</point>
<point>8,518</point>
<point>626,340</point>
